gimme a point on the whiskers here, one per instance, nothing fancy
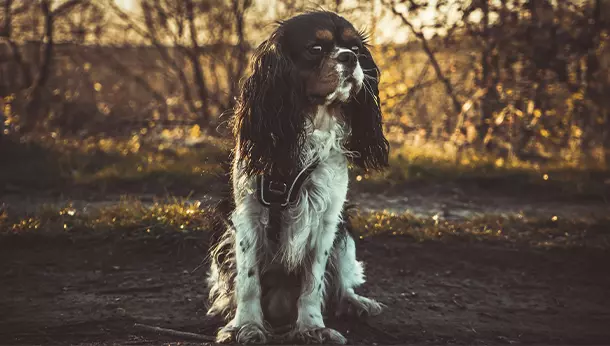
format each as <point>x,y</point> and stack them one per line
<point>368,89</point>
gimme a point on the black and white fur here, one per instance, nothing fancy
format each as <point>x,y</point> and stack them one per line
<point>299,105</point>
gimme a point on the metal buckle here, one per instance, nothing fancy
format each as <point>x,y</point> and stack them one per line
<point>277,187</point>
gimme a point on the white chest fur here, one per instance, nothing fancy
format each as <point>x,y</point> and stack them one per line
<point>318,209</point>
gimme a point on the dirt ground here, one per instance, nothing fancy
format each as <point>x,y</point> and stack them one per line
<point>90,289</point>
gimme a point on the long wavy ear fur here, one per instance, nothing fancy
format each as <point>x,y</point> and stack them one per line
<point>269,116</point>
<point>363,114</point>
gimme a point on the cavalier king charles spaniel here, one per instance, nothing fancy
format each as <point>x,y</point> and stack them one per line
<point>286,257</point>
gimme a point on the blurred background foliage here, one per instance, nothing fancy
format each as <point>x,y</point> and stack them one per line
<point>123,88</point>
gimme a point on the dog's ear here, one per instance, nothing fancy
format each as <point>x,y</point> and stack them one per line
<point>367,141</point>
<point>269,117</point>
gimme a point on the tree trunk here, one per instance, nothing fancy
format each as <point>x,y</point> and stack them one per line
<point>485,81</point>
<point>202,90</point>
<point>34,109</point>
<point>6,30</point>
<point>592,86</point>
<point>239,11</point>
<point>24,77</point>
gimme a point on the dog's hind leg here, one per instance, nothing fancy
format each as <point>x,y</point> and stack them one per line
<point>348,274</point>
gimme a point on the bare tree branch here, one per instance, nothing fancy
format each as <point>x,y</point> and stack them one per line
<point>174,333</point>
<point>431,57</point>
<point>163,51</point>
<point>139,80</point>
<point>66,7</point>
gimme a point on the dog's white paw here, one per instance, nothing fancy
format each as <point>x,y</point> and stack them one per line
<point>360,306</point>
<point>247,334</point>
<point>317,336</point>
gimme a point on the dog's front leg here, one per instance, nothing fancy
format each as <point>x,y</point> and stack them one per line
<point>310,326</point>
<point>247,325</point>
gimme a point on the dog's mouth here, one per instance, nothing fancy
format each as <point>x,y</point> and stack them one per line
<point>339,86</point>
<point>356,85</point>
<point>346,89</point>
<point>336,86</point>
<point>321,89</point>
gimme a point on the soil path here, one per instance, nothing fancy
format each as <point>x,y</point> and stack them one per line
<point>90,289</point>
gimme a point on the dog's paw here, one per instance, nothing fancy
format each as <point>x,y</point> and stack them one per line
<point>360,306</point>
<point>251,334</point>
<point>317,336</point>
<point>226,334</point>
<point>246,334</point>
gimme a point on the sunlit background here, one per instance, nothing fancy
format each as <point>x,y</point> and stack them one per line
<point>467,86</point>
<point>388,29</point>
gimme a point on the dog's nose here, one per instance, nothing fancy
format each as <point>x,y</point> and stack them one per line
<point>348,58</point>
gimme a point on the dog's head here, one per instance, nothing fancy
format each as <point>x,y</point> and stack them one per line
<point>324,50</point>
<point>311,60</point>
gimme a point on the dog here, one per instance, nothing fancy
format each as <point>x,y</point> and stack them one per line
<point>309,109</point>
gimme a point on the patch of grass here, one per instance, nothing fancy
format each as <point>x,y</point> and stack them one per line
<point>179,162</point>
<point>131,216</point>
<point>126,216</point>
<point>553,232</point>
<point>106,164</point>
<point>428,163</point>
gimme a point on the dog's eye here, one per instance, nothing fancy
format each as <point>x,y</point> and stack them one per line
<point>355,49</point>
<point>315,49</point>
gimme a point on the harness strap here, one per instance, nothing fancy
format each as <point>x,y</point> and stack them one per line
<point>273,190</point>
<point>277,193</point>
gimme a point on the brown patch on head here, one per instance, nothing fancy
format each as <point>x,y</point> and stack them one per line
<point>349,34</point>
<point>324,35</point>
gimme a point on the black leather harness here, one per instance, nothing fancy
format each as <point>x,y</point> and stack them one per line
<point>277,193</point>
